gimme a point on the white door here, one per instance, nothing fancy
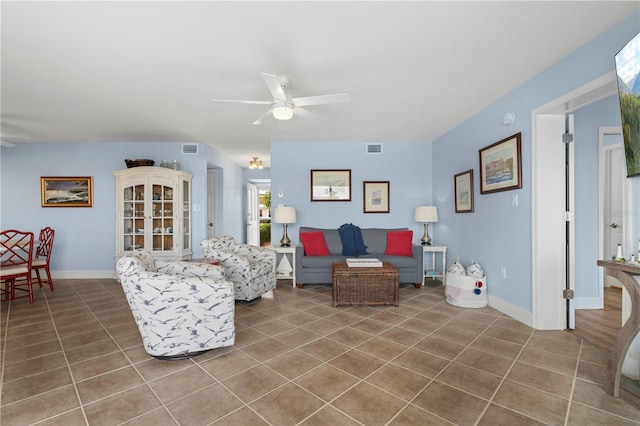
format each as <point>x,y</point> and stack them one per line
<point>212,210</point>
<point>253,219</point>
<point>551,271</point>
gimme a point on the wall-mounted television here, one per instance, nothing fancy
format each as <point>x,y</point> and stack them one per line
<point>628,71</point>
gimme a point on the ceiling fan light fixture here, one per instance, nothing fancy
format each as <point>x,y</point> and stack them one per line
<point>283,111</point>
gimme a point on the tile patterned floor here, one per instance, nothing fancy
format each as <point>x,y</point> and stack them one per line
<point>75,357</point>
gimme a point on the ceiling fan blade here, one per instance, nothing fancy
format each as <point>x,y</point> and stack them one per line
<point>321,99</point>
<point>263,116</point>
<point>243,102</point>
<point>273,84</point>
<point>304,113</point>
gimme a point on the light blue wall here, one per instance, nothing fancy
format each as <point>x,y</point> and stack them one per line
<point>85,237</point>
<point>407,166</point>
<point>497,234</point>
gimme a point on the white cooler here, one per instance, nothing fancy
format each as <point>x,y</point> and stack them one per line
<point>459,290</point>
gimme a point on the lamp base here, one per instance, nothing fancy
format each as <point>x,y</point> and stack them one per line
<point>285,241</point>
<point>426,239</point>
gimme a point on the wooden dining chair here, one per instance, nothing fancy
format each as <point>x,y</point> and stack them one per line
<point>16,254</point>
<point>43,256</point>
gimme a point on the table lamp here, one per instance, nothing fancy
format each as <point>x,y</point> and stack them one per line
<point>284,215</point>
<point>426,214</point>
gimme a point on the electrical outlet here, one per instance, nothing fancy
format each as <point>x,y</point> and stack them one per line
<point>514,200</point>
<point>280,194</point>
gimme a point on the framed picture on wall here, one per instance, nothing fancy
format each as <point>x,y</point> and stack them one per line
<point>331,185</point>
<point>501,166</point>
<point>376,197</point>
<point>73,191</point>
<point>463,184</point>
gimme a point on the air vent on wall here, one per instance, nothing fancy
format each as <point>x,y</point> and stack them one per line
<point>189,148</point>
<point>374,148</point>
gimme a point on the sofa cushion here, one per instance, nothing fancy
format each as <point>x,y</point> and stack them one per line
<point>376,238</point>
<point>314,243</point>
<point>331,237</point>
<point>399,243</point>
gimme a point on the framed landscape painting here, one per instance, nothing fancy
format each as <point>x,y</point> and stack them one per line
<point>463,184</point>
<point>76,191</point>
<point>501,166</point>
<point>331,185</point>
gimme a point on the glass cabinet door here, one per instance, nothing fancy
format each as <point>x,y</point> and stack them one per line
<point>186,209</point>
<point>162,217</point>
<point>133,217</point>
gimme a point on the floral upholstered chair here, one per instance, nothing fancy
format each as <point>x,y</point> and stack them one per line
<point>182,308</point>
<point>252,269</point>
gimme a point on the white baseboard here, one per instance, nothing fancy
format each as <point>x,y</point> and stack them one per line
<point>588,303</point>
<point>74,275</point>
<point>515,312</point>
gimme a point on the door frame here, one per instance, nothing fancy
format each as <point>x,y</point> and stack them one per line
<point>548,248</point>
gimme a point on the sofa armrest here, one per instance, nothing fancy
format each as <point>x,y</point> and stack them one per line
<point>299,255</point>
<point>190,269</point>
<point>258,254</point>
<point>418,254</point>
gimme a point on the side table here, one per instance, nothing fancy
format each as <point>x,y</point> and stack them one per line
<point>286,263</point>
<point>434,272</point>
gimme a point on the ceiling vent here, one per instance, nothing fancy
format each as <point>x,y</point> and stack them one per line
<point>374,148</point>
<point>189,148</point>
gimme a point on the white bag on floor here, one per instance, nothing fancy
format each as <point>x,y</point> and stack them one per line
<point>466,292</point>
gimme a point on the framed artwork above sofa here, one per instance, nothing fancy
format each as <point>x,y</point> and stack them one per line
<point>331,185</point>
<point>376,197</point>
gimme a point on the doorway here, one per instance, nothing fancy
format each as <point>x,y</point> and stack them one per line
<point>259,213</point>
<point>549,268</point>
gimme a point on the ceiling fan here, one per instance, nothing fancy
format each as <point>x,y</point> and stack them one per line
<point>284,107</point>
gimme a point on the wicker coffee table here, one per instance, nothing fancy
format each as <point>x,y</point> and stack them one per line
<point>370,286</point>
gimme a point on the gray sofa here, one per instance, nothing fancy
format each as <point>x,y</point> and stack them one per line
<point>317,269</point>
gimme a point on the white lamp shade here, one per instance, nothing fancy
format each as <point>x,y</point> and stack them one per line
<point>426,214</point>
<point>284,214</point>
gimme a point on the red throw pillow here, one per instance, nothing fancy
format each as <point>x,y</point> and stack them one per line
<point>399,243</point>
<point>314,243</point>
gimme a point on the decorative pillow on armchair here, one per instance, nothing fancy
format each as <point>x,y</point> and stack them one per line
<point>314,243</point>
<point>399,243</point>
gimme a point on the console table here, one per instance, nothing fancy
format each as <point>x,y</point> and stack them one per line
<point>625,274</point>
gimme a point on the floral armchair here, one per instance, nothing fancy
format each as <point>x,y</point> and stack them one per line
<point>181,308</point>
<point>252,269</point>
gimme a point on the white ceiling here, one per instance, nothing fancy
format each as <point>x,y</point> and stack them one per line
<point>147,71</point>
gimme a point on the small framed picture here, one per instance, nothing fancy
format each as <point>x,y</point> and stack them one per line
<point>501,166</point>
<point>376,196</point>
<point>463,184</point>
<point>73,191</point>
<point>331,185</point>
